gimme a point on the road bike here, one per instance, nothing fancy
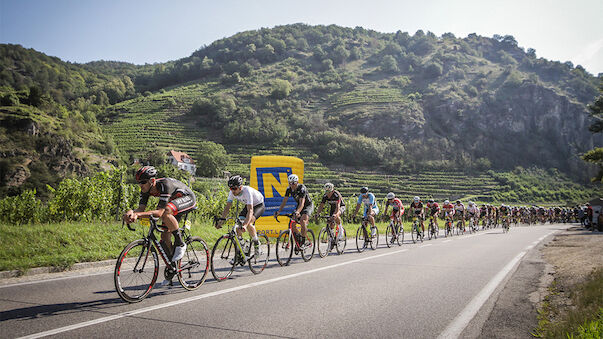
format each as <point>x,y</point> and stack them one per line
<point>433,230</point>
<point>460,228</point>
<point>394,232</point>
<point>364,238</point>
<point>506,225</point>
<point>448,226</point>
<point>231,251</point>
<point>416,231</point>
<point>331,236</point>
<point>472,226</point>
<point>287,244</point>
<point>137,266</point>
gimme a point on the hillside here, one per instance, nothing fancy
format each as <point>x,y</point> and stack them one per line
<point>350,102</point>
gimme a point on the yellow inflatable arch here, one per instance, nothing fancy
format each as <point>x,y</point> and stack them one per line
<point>269,176</point>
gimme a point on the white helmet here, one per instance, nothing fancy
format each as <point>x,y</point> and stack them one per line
<point>471,203</point>
<point>390,195</point>
<point>446,202</point>
<point>293,178</point>
<point>417,199</point>
<point>329,187</point>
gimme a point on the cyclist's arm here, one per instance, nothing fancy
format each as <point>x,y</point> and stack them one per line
<point>320,207</point>
<point>282,205</point>
<point>356,210</point>
<point>154,213</point>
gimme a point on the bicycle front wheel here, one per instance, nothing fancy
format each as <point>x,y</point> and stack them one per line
<point>390,235</point>
<point>374,237</point>
<point>400,232</point>
<point>284,248</point>
<point>223,258</point>
<point>193,267</point>
<point>360,241</point>
<point>259,255</point>
<point>341,241</point>
<point>136,271</point>
<point>324,242</point>
<point>307,252</point>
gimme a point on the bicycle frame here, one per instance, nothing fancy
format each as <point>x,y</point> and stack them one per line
<point>232,234</point>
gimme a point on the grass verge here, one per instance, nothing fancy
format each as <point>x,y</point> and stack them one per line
<point>584,319</point>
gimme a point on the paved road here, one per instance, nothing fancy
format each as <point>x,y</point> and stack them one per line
<point>414,291</point>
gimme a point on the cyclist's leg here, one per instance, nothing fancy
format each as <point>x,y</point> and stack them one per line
<point>305,217</point>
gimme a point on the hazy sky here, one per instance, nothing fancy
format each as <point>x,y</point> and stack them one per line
<point>148,31</point>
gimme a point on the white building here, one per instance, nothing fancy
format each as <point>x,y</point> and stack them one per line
<point>183,161</point>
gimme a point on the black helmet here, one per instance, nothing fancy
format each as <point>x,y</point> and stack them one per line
<point>364,190</point>
<point>235,181</point>
<point>145,173</point>
<point>431,201</point>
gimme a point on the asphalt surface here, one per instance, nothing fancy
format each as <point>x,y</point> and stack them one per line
<point>444,287</point>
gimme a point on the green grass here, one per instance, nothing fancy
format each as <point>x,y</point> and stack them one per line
<point>583,320</point>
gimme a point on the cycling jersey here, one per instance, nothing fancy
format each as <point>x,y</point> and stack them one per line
<point>459,207</point>
<point>397,206</point>
<point>448,209</point>
<point>333,200</point>
<point>173,194</point>
<point>300,193</point>
<point>416,207</point>
<point>472,210</point>
<point>433,207</point>
<point>368,202</point>
<point>248,195</point>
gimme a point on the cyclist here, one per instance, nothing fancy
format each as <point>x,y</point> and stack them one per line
<point>370,207</point>
<point>504,212</point>
<point>417,208</point>
<point>473,212</point>
<point>335,200</point>
<point>254,207</point>
<point>304,208</point>
<point>459,211</point>
<point>397,207</point>
<point>175,200</point>
<point>483,213</point>
<point>448,209</point>
<point>434,210</point>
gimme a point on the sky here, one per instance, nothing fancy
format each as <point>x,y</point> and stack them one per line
<point>150,31</point>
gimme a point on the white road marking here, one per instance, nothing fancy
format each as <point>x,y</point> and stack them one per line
<point>199,297</point>
<point>456,327</point>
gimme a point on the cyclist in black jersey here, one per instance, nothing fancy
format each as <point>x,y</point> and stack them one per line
<point>304,208</point>
<point>335,200</point>
<point>175,200</point>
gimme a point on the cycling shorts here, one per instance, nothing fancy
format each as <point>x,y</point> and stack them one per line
<point>258,210</point>
<point>182,205</point>
<point>375,209</point>
<point>307,210</point>
<point>341,210</point>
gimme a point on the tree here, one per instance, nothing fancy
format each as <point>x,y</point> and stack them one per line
<point>156,157</point>
<point>389,65</point>
<point>595,156</point>
<point>281,89</point>
<point>211,159</point>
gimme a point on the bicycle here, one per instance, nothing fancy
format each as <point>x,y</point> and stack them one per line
<point>434,230</point>
<point>331,237</point>
<point>229,251</point>
<point>472,227</point>
<point>394,232</point>
<point>363,238</point>
<point>506,225</point>
<point>460,229</point>
<point>286,243</point>
<point>137,266</point>
<point>448,227</point>
<point>416,232</point>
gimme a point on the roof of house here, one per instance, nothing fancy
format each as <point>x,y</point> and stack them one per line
<point>180,156</point>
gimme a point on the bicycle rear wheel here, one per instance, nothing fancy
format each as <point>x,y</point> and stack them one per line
<point>413,233</point>
<point>400,233</point>
<point>260,255</point>
<point>341,241</point>
<point>308,248</point>
<point>284,248</point>
<point>136,271</point>
<point>223,258</point>
<point>194,265</point>
<point>360,240</point>
<point>431,231</point>
<point>324,242</point>
<point>390,235</point>
<point>374,237</point>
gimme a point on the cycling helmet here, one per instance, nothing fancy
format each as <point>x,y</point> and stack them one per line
<point>417,199</point>
<point>293,178</point>
<point>458,202</point>
<point>364,190</point>
<point>329,187</point>
<point>235,181</point>
<point>390,195</point>
<point>145,173</point>
<point>431,201</point>
<point>471,203</point>
<point>446,202</point>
